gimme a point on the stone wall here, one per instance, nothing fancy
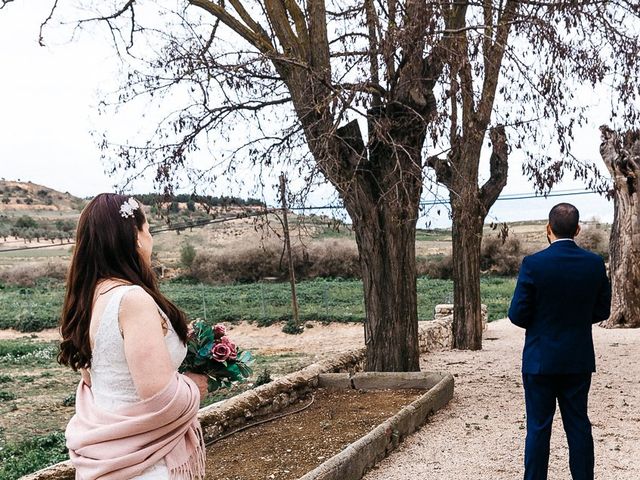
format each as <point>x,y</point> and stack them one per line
<point>444,312</point>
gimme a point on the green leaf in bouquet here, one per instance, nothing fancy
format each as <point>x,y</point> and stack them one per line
<point>205,349</point>
<point>245,370</point>
<point>245,357</point>
<point>234,372</point>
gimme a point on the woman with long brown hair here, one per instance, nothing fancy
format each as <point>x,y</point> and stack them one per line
<point>135,415</point>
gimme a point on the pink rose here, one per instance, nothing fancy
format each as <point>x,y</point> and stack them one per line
<point>232,346</point>
<point>220,352</point>
<point>219,330</point>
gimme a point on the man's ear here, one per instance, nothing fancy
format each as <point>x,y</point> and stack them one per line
<point>549,231</point>
<point>577,231</point>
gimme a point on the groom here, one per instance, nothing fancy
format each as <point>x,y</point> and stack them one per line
<point>561,291</point>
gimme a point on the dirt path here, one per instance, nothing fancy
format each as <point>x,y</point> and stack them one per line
<point>322,339</point>
<point>480,434</point>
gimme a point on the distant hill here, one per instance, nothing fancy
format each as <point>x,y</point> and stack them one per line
<point>17,196</point>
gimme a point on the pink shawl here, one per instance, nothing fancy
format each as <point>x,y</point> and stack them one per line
<point>121,444</point>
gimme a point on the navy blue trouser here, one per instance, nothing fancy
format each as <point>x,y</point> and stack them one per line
<point>571,391</point>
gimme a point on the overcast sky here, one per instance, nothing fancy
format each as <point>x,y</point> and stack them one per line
<point>48,98</point>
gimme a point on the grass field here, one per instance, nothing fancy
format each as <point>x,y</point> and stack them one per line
<point>34,308</point>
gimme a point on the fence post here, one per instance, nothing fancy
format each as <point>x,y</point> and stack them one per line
<point>287,243</point>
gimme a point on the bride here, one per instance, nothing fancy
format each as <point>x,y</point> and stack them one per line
<point>136,417</point>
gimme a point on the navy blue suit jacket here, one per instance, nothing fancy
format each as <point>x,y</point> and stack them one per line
<point>561,292</point>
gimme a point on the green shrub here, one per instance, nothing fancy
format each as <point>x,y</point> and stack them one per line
<point>22,458</point>
<point>292,328</point>
<point>6,396</point>
<point>263,377</point>
<point>25,221</point>
<point>40,304</point>
<point>27,321</point>
<point>21,352</point>
<point>69,400</point>
<point>187,255</point>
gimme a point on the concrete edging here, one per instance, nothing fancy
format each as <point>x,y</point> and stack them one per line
<point>360,456</point>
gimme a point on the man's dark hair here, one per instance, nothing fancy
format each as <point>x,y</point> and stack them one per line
<point>564,219</point>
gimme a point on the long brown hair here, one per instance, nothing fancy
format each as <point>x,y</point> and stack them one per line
<point>105,248</point>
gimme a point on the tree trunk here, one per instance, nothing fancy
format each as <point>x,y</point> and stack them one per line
<point>469,207</point>
<point>387,257</point>
<point>383,198</point>
<point>621,154</point>
<point>466,236</point>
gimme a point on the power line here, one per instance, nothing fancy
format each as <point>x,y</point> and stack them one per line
<point>202,223</point>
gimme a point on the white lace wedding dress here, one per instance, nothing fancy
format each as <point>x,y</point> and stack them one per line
<point>111,381</point>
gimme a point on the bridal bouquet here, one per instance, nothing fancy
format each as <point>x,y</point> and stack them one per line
<point>212,353</point>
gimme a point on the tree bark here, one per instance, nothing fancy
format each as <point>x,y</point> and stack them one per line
<point>387,258</point>
<point>383,200</point>
<point>469,207</point>
<point>621,154</point>
<point>466,236</point>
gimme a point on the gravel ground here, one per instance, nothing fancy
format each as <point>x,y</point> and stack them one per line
<point>480,434</point>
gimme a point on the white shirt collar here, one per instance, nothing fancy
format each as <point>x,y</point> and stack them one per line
<point>563,240</point>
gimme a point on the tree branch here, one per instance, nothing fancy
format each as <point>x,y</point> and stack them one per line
<point>499,168</point>
<point>318,39</point>
<point>493,56</point>
<point>373,49</point>
<point>444,172</point>
<point>43,24</point>
<point>282,28</point>
<point>247,19</point>
<point>258,40</point>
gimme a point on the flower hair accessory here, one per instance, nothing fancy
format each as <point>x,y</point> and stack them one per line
<point>128,207</point>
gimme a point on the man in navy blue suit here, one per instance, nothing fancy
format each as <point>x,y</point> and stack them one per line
<point>561,292</point>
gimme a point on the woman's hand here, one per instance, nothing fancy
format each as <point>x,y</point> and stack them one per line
<point>201,381</point>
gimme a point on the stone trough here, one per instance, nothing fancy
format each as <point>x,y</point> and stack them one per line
<point>352,462</point>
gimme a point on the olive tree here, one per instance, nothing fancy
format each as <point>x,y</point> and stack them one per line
<point>621,154</point>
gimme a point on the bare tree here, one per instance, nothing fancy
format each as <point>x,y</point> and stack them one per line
<point>621,154</point>
<point>519,64</point>
<point>352,91</point>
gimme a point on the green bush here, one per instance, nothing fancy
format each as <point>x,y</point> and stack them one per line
<point>22,458</point>
<point>263,377</point>
<point>6,396</point>
<point>25,352</point>
<point>292,328</point>
<point>187,255</point>
<point>25,221</point>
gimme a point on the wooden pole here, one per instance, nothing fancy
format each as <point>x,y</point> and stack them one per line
<point>287,243</point>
